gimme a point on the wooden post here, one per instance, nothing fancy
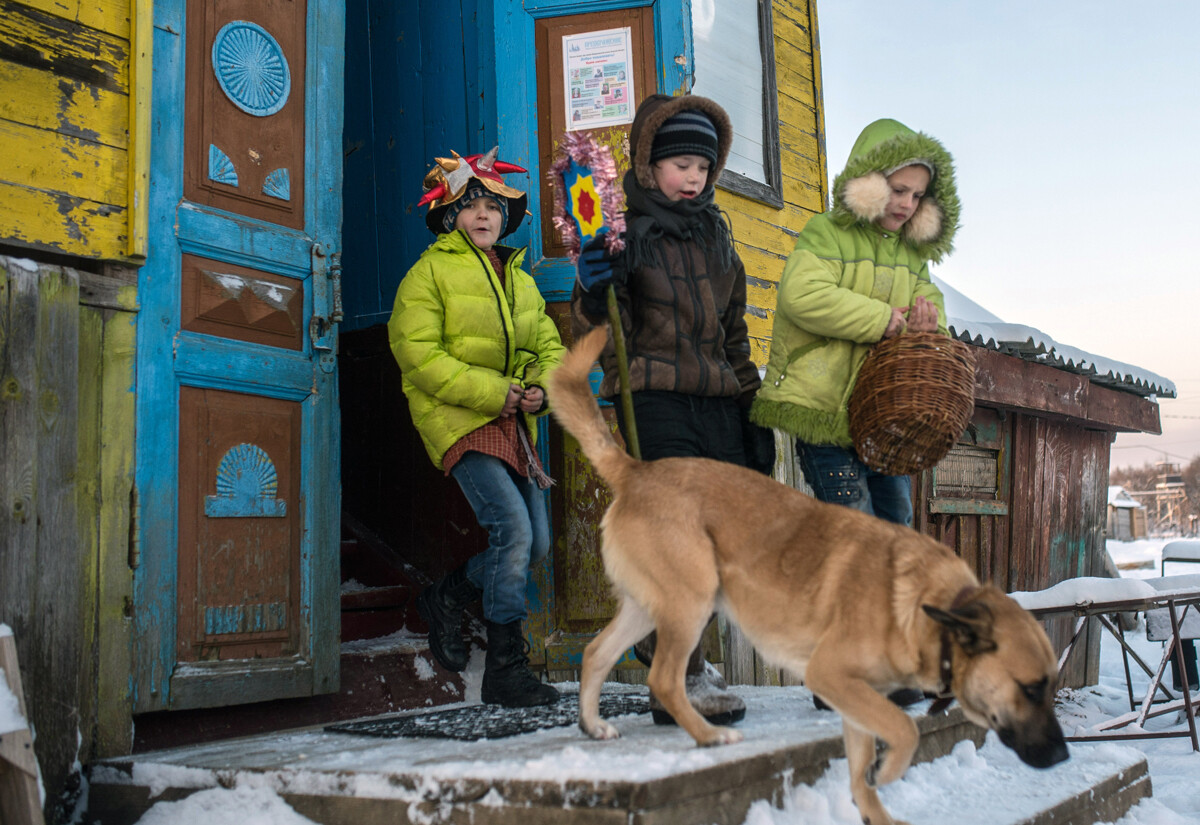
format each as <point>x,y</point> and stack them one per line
<point>19,801</point>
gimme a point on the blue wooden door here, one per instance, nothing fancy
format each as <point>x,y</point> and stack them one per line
<point>235,551</point>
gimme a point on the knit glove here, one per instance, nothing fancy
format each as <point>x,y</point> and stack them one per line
<point>596,268</point>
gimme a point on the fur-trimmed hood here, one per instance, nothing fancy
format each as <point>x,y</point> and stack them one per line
<point>654,111</point>
<point>861,191</point>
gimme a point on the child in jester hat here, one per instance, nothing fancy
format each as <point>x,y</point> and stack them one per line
<point>470,332</point>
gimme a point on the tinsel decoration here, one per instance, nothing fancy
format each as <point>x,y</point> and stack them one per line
<point>586,194</point>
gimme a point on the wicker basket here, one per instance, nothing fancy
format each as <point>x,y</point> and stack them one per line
<point>913,399</point>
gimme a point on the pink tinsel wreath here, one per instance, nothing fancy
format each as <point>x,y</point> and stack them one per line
<point>586,151</point>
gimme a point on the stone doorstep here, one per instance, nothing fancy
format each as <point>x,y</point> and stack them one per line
<point>721,793</point>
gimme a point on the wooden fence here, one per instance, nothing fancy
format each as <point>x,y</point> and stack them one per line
<point>67,343</point>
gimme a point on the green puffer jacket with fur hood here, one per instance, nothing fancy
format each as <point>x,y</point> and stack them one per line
<point>843,278</point>
<point>461,339</point>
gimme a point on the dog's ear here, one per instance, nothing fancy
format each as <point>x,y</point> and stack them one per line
<point>970,624</point>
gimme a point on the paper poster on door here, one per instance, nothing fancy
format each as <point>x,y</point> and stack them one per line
<point>598,70</point>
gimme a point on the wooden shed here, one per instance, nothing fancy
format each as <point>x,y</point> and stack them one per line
<point>1126,516</point>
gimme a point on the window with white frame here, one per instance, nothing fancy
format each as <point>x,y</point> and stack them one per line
<point>734,64</point>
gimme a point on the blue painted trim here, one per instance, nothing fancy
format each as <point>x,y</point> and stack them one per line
<point>215,233</point>
<point>246,484</point>
<point>248,618</point>
<point>225,364</point>
<point>229,507</point>
<point>157,419</point>
<point>555,278</point>
<point>320,473</point>
<point>278,184</point>
<point>251,68</point>
<point>220,166</point>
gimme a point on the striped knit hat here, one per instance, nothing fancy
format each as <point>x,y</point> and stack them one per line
<point>689,132</point>
<point>474,191</point>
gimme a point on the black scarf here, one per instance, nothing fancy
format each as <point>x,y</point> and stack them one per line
<point>649,216</point>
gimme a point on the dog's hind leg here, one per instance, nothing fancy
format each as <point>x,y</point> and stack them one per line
<point>860,755</point>
<point>629,625</point>
<point>678,636</point>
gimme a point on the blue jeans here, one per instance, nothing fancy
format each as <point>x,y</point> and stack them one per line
<point>513,511</point>
<point>837,476</point>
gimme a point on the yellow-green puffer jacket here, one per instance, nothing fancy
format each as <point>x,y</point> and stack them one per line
<point>842,279</point>
<point>461,339</point>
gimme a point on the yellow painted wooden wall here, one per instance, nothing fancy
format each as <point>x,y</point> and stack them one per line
<point>764,235</point>
<point>74,126</point>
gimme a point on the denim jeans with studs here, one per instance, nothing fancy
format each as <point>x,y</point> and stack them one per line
<point>837,476</point>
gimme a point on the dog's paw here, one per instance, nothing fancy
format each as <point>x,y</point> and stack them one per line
<point>722,736</point>
<point>600,730</point>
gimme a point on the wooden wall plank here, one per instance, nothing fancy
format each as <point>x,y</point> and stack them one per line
<point>40,574</point>
<point>87,480</point>
<point>110,16</point>
<point>1009,382</point>
<point>52,162</point>
<point>62,223</point>
<point>53,664</point>
<point>65,48</point>
<point>18,388</point>
<point>71,107</point>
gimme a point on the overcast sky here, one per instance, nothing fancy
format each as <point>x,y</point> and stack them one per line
<point>1074,126</point>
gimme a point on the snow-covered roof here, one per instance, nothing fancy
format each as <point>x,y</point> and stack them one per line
<point>1119,497</point>
<point>972,324</point>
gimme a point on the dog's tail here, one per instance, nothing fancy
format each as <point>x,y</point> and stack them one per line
<point>576,409</point>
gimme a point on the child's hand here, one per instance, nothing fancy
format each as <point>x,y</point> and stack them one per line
<point>923,316</point>
<point>513,402</point>
<point>532,399</point>
<point>896,324</point>
<point>596,268</point>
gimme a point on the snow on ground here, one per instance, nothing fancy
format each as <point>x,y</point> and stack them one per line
<point>926,794</point>
<point>10,709</point>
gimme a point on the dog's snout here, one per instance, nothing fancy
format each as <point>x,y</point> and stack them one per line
<point>1042,752</point>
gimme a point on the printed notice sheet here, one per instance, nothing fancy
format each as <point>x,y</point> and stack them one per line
<point>598,69</point>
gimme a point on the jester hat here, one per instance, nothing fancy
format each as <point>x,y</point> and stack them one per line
<point>451,177</point>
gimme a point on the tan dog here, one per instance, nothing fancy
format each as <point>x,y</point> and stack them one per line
<point>856,605</point>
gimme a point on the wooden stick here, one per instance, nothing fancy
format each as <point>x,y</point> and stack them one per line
<point>618,334</point>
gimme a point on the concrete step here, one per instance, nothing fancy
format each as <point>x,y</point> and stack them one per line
<point>652,775</point>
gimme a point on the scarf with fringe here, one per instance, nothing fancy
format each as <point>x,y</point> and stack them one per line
<point>649,216</point>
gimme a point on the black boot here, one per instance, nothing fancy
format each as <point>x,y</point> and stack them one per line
<point>507,680</point>
<point>441,606</point>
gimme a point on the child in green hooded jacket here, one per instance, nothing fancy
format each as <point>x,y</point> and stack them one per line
<point>859,273</point>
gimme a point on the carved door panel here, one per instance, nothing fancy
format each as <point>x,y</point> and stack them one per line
<point>236,582</point>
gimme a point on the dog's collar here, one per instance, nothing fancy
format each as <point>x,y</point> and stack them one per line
<point>945,695</point>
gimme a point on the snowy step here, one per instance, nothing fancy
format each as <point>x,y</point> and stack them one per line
<point>652,775</point>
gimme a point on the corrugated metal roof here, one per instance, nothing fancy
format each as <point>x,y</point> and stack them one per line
<point>973,324</point>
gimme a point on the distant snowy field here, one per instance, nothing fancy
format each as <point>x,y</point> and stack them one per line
<point>930,794</point>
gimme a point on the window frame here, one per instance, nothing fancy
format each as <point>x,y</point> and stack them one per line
<point>770,192</point>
